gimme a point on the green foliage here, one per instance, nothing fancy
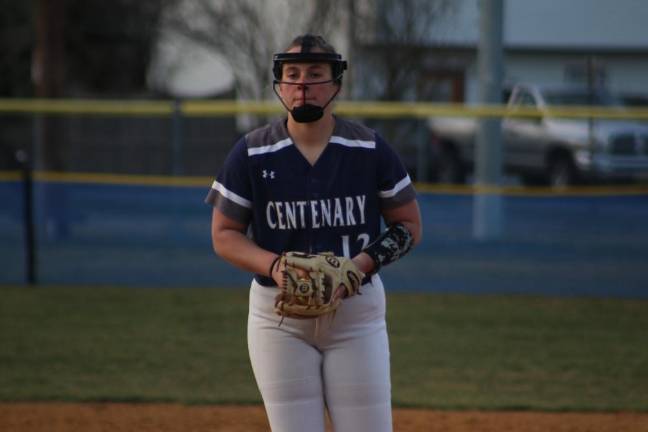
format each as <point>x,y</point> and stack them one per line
<point>448,351</point>
<point>16,44</point>
<point>109,44</point>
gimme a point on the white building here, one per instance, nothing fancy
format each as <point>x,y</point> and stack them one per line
<point>547,42</point>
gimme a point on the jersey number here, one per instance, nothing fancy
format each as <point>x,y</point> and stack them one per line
<point>346,250</point>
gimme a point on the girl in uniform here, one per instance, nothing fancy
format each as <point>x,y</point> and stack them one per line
<point>314,182</point>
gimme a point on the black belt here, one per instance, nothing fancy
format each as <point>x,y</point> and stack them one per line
<point>269,282</point>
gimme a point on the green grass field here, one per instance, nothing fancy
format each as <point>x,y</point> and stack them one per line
<point>448,351</point>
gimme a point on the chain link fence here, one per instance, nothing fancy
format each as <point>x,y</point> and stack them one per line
<point>117,199</point>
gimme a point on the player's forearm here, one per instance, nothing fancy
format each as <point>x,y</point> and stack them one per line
<point>237,249</point>
<point>410,216</point>
<point>414,227</point>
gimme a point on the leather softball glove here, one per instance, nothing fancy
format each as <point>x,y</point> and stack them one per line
<point>310,282</point>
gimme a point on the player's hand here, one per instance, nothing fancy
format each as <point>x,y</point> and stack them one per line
<point>277,272</point>
<point>360,261</point>
<point>279,269</point>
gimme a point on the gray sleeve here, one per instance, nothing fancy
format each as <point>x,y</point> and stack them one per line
<point>231,192</point>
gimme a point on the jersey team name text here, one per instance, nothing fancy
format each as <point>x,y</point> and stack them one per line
<point>325,213</point>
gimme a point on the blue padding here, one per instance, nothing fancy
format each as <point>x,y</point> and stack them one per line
<point>557,246</point>
<point>12,253</point>
<point>157,236</point>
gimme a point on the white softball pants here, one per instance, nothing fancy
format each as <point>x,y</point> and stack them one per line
<point>339,363</point>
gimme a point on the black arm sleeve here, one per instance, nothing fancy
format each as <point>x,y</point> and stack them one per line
<point>392,244</point>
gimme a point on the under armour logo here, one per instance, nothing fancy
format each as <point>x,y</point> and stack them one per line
<point>267,174</point>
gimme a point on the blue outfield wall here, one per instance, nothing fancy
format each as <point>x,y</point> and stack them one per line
<point>158,236</point>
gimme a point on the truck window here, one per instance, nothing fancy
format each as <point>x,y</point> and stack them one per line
<point>527,100</point>
<point>524,99</point>
<point>506,95</point>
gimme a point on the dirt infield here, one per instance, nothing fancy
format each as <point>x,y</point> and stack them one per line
<point>116,417</point>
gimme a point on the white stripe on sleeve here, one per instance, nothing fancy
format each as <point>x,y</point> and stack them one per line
<point>231,195</point>
<point>399,187</point>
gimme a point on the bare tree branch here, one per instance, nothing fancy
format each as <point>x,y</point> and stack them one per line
<point>396,53</point>
<point>389,34</point>
<point>247,32</point>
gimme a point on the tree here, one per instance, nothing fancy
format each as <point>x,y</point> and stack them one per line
<point>16,43</point>
<point>246,32</point>
<point>108,45</point>
<point>389,36</point>
<point>53,48</point>
<point>393,38</point>
<point>87,48</point>
<point>395,45</point>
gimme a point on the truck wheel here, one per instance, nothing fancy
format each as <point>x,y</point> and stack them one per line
<point>562,172</point>
<point>450,169</point>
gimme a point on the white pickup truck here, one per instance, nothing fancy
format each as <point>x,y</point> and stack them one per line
<point>551,150</point>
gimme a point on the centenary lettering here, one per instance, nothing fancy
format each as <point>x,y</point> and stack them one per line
<point>334,212</point>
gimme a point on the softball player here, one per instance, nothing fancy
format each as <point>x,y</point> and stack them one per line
<point>313,182</point>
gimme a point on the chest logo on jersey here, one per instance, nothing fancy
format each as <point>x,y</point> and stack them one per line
<point>268,174</point>
<point>323,213</point>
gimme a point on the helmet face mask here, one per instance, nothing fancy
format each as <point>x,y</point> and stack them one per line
<point>306,112</point>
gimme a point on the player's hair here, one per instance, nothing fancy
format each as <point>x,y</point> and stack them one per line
<point>312,41</point>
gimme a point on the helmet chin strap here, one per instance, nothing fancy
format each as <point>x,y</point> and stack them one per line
<point>306,113</point>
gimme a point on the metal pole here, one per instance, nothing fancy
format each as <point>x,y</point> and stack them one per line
<point>487,210</point>
<point>31,273</point>
<point>177,163</point>
<point>423,157</point>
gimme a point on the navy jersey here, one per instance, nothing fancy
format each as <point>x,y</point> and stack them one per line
<point>334,205</point>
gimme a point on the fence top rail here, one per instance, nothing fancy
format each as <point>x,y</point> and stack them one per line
<point>364,109</point>
<point>86,107</point>
<point>425,188</point>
